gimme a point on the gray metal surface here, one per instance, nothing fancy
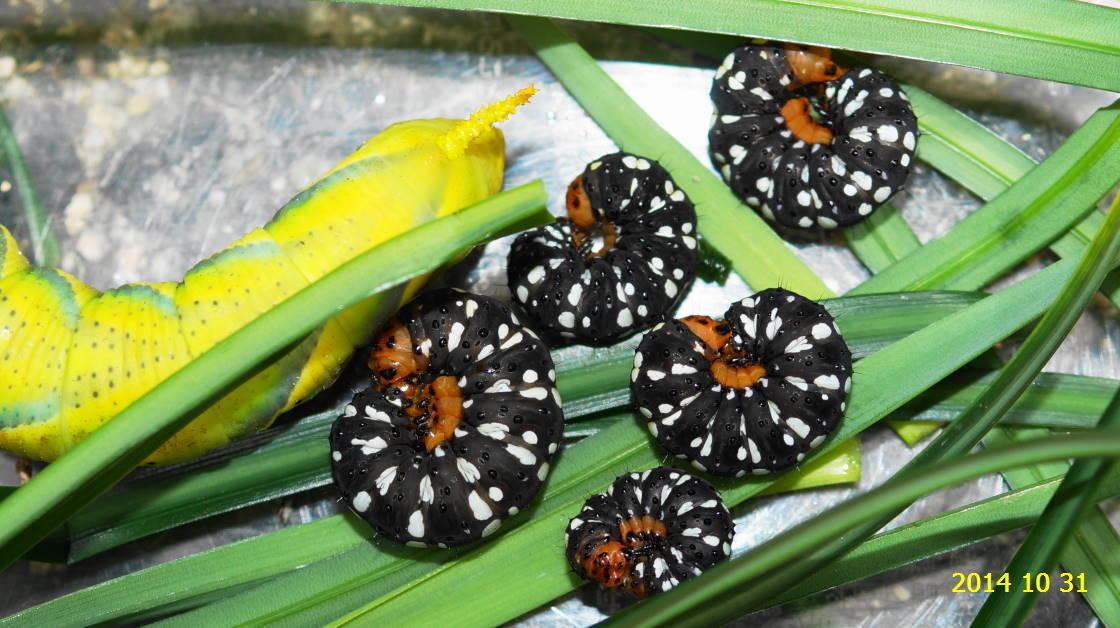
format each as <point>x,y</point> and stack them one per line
<point>159,133</point>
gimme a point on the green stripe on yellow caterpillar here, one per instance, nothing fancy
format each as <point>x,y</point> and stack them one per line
<point>72,358</point>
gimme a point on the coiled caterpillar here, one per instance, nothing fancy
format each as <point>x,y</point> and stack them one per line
<point>71,358</point>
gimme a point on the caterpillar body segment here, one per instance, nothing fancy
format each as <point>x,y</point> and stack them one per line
<point>76,358</point>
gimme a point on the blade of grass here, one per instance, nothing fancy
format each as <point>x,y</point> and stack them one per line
<point>100,460</point>
<point>1029,215</point>
<point>883,382</point>
<point>197,579</point>
<point>760,577</point>
<point>1059,41</point>
<point>718,597</point>
<point>938,534</point>
<point>882,239</point>
<point>44,243</point>
<point>1052,400</point>
<point>1053,531</point>
<point>1093,550</point>
<point>756,253</point>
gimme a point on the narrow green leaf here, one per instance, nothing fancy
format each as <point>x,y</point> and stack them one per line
<point>756,253</point>
<point>104,457</point>
<point>1051,39</point>
<point>44,243</point>
<point>1053,531</point>
<point>938,534</point>
<point>197,579</point>
<point>1028,216</point>
<point>882,239</point>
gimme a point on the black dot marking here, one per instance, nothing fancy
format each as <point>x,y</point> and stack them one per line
<point>621,272</point>
<point>801,184</point>
<point>650,532</point>
<point>491,467</point>
<point>766,426</point>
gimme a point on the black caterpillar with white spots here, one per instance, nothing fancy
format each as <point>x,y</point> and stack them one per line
<point>649,532</point>
<point>459,428</point>
<point>793,170</point>
<point>752,393</point>
<point>620,262</point>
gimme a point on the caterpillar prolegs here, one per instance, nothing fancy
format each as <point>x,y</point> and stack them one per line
<point>71,358</point>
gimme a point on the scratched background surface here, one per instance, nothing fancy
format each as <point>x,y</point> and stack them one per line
<point>159,132</point>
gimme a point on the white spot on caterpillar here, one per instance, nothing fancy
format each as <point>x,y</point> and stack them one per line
<point>798,426</point>
<point>862,179</point>
<point>904,160</point>
<point>803,198</point>
<point>798,345</point>
<point>493,430</point>
<point>761,93</point>
<point>652,427</point>
<point>756,457</point>
<point>471,308</point>
<point>643,164</point>
<point>537,393</point>
<point>385,480</point>
<point>512,340</point>
<point>805,222</point>
<point>908,140</point>
<point>682,369</point>
<point>479,508</point>
<point>741,454</point>
<point>567,319</point>
<point>493,526</point>
<point>763,184</point>
<point>536,274</point>
<point>370,446</point>
<point>736,80</point>
<point>500,386</point>
<point>882,194</point>
<point>864,209</point>
<point>774,325</point>
<point>849,189</point>
<point>529,376</point>
<point>838,166</point>
<point>655,375</point>
<point>797,382</point>
<point>671,288</point>
<point>495,493</point>
<point>671,419</point>
<point>361,501</point>
<point>522,294</point>
<point>707,449</point>
<point>711,540</point>
<point>349,411</point>
<point>337,455</point>
<point>638,358</point>
<point>426,492</point>
<point>469,472</point>
<point>542,472</point>
<point>816,441</point>
<point>827,381</point>
<point>630,161</point>
<point>685,507</point>
<point>456,335</point>
<point>887,132</point>
<point>827,222</point>
<point>750,325</point>
<point>524,456</point>
<point>416,524</point>
<point>529,437</point>
<point>625,318</point>
<point>378,415</point>
<point>860,134</point>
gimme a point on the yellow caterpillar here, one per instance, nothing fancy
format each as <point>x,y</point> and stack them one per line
<point>71,358</point>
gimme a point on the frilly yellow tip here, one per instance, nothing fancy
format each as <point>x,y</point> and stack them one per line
<point>455,142</point>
